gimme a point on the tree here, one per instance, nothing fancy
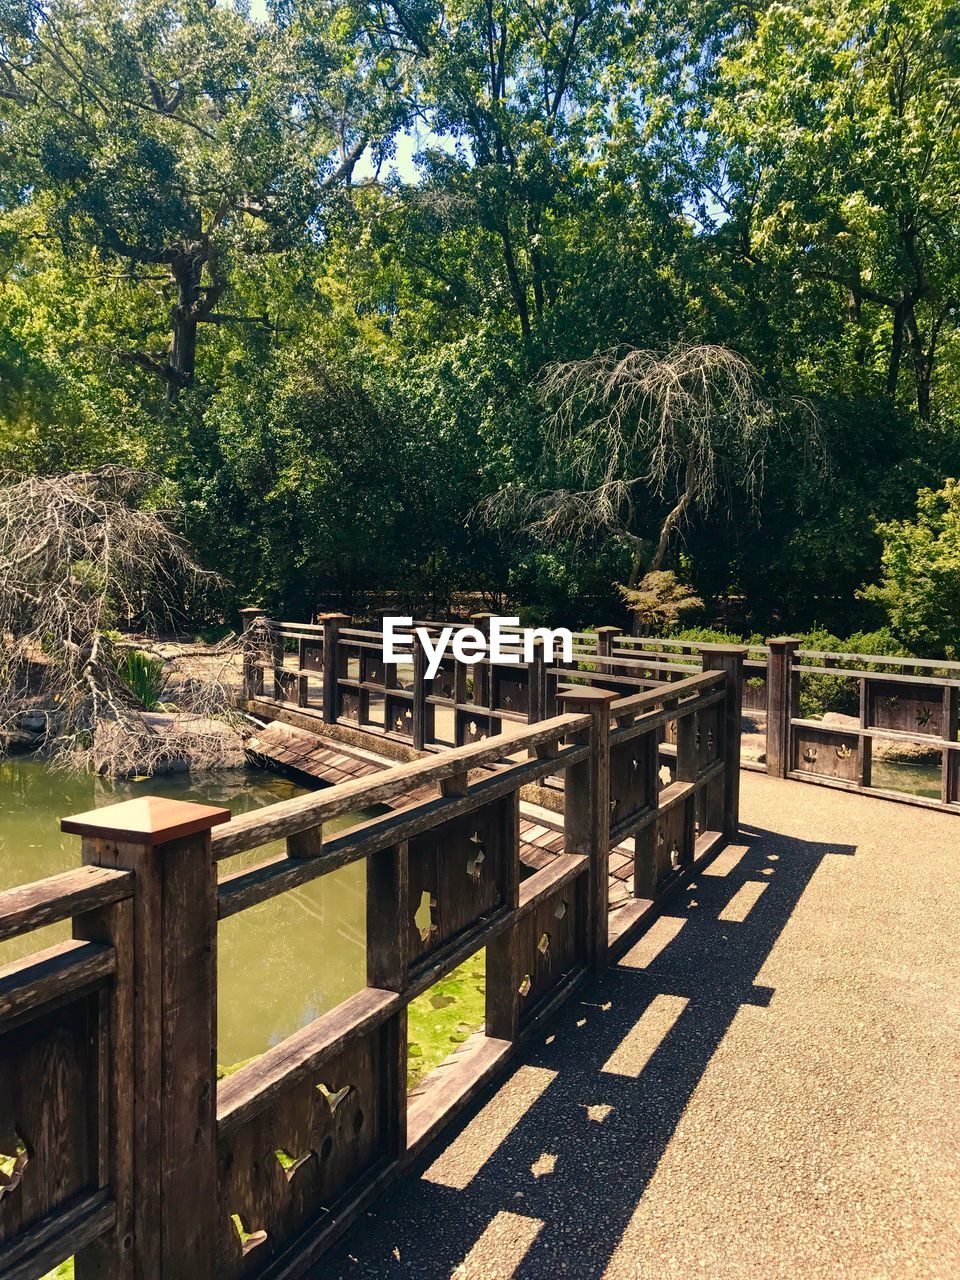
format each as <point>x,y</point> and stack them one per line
<point>519,90</point>
<point>679,428</point>
<point>182,141</point>
<point>832,160</point>
<point>660,602</point>
<point>920,591</point>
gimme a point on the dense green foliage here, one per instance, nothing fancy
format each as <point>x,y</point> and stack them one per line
<point>921,572</point>
<point>310,263</point>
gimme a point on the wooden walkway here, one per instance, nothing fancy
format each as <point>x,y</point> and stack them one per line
<point>315,760</point>
<point>764,1088</point>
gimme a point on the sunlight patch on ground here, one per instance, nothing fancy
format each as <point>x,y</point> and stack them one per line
<point>508,1239</point>
<point>644,1038</point>
<point>725,861</point>
<point>469,1152</point>
<point>743,901</point>
<point>660,934</point>
<point>544,1164</point>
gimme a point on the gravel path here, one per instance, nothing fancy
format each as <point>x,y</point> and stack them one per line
<point>767,1086</point>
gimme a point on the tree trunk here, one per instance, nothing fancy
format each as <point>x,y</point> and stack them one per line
<point>187,271</point>
<point>922,364</point>
<point>896,350</point>
<point>517,287</point>
<point>671,520</point>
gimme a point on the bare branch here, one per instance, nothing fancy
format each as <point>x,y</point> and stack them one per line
<point>80,556</point>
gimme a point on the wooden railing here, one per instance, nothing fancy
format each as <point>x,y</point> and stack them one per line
<point>891,701</point>
<point>125,1151</point>
<point>896,700</point>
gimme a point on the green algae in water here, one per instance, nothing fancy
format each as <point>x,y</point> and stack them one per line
<point>443,1017</point>
<point>908,776</point>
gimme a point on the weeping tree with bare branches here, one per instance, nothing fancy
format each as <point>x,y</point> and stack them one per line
<point>82,555</point>
<point>635,428</point>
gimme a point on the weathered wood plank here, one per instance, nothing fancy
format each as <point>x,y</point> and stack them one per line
<point>54,974</point>
<point>31,906</point>
<point>278,821</point>
<point>452,1085</point>
<point>111,1256</point>
<point>586,817</point>
<point>544,884</point>
<point>651,720</point>
<point>58,1236</point>
<point>246,888</point>
<point>254,1086</point>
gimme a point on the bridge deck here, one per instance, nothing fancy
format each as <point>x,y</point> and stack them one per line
<point>765,1086</point>
<point>311,756</point>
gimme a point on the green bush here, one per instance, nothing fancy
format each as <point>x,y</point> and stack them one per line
<point>920,591</point>
<point>820,694</point>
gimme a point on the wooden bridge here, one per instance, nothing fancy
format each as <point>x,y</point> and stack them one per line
<point>549,814</point>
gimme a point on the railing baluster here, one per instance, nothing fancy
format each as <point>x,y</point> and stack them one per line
<point>729,659</point>
<point>951,726</point>
<point>332,664</point>
<point>586,813</point>
<point>781,697</point>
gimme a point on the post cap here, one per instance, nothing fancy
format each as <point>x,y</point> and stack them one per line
<point>149,820</point>
<point>587,695</point>
<point>785,640</point>
<point>608,631</point>
<point>724,648</point>
<point>334,617</point>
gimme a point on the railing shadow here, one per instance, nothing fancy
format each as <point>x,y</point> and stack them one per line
<point>623,1063</point>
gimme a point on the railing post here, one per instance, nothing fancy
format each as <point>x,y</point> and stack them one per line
<point>276,656</point>
<point>332,622</point>
<point>418,727</point>
<point>388,965</point>
<point>252,652</point>
<point>951,726</point>
<point>481,672</point>
<point>782,694</point>
<point>729,659</point>
<point>605,639</point>
<point>586,810</point>
<point>535,682</point>
<point>171,1096</point>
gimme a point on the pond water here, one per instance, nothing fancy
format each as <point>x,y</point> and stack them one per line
<point>281,964</point>
<point>914,778</point>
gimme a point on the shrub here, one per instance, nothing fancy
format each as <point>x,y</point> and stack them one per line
<point>144,677</point>
<point>920,590</point>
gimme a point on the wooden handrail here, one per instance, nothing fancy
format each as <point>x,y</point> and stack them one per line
<point>31,906</point>
<point>193,1172</point>
<point>651,697</point>
<point>247,830</point>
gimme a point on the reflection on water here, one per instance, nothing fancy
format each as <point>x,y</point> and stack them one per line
<point>281,964</point>
<point>916,779</point>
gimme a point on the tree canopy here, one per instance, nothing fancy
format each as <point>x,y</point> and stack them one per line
<point>312,261</point>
